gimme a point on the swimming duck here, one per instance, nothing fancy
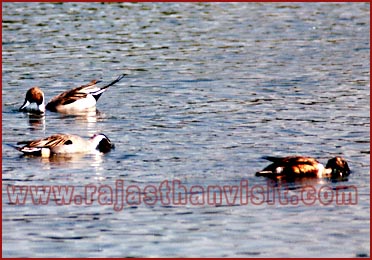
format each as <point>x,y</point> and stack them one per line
<point>65,144</point>
<point>300,166</point>
<point>74,100</point>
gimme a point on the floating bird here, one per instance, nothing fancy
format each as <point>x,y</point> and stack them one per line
<point>300,166</point>
<point>62,144</point>
<point>74,100</point>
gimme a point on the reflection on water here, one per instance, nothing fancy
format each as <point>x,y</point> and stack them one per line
<point>36,121</point>
<point>68,161</point>
<point>304,181</point>
<point>88,118</point>
<point>305,191</point>
<point>213,87</point>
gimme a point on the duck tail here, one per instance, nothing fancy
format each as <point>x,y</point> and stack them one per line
<point>15,147</point>
<point>264,173</point>
<point>115,81</point>
<point>99,92</point>
<point>272,158</point>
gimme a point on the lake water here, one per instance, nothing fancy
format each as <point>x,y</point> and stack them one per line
<point>211,88</point>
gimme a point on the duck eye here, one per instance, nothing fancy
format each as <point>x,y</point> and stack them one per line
<point>68,142</point>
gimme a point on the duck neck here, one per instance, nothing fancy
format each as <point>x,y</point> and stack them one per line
<point>322,171</point>
<point>327,171</point>
<point>41,107</point>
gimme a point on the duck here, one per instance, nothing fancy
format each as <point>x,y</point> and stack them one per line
<point>301,166</point>
<point>73,100</point>
<point>64,144</point>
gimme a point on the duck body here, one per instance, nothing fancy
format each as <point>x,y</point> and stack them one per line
<point>59,144</point>
<point>301,166</point>
<point>74,100</point>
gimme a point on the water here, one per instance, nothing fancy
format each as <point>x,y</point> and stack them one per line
<point>212,87</point>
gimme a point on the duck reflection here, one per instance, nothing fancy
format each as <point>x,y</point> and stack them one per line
<point>304,191</point>
<point>76,161</point>
<point>86,116</point>
<point>36,121</point>
<point>61,160</point>
<point>299,183</point>
<point>89,117</point>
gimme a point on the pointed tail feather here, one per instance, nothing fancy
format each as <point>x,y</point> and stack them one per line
<point>99,92</point>
<point>264,173</point>
<point>14,146</point>
<point>115,81</point>
<point>27,150</point>
<point>272,158</point>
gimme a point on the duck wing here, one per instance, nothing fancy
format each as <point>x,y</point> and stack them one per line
<point>72,95</point>
<point>291,165</point>
<point>291,160</point>
<point>49,142</point>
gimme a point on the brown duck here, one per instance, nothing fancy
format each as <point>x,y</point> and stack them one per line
<point>300,166</point>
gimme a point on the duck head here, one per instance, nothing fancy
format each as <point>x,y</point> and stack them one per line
<point>34,95</point>
<point>339,167</point>
<point>102,143</point>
